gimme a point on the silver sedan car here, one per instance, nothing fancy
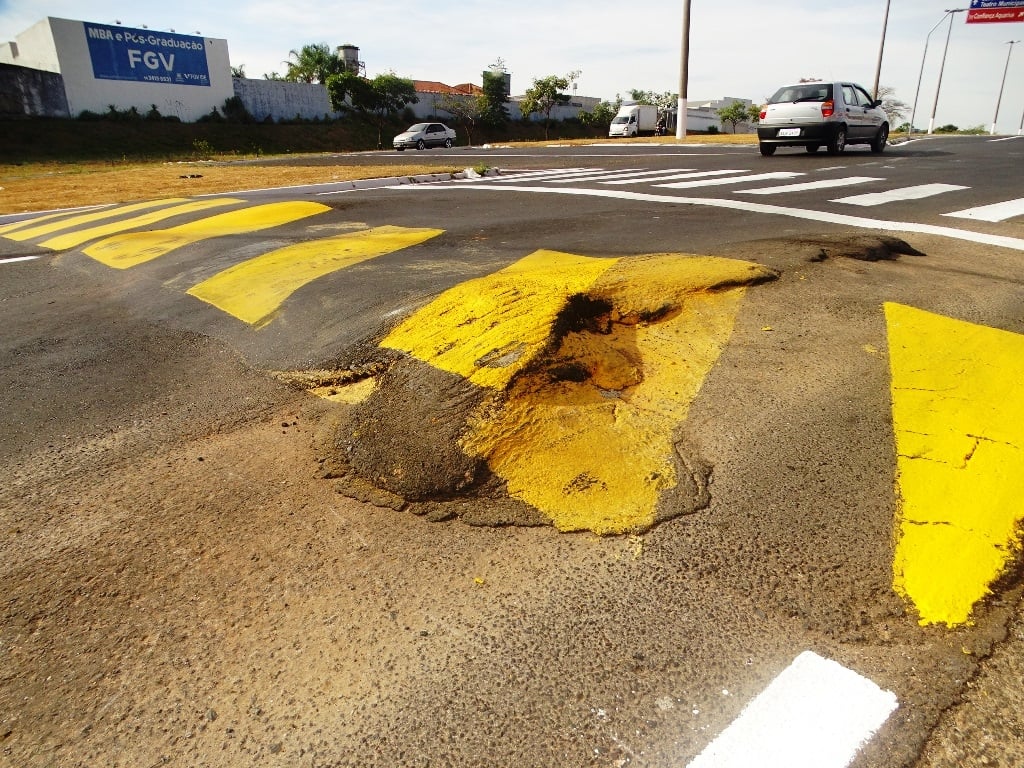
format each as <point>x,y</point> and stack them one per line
<point>815,114</point>
<point>423,135</point>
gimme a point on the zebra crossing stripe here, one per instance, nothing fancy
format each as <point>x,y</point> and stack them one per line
<point>253,290</point>
<point>15,259</point>
<point>815,714</point>
<point>77,237</point>
<point>731,180</point>
<point>918,192</point>
<point>133,248</point>
<point>994,212</point>
<point>808,186</point>
<point>551,173</point>
<point>85,218</point>
<point>674,175</point>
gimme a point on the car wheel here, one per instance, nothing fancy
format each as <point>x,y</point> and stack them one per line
<point>838,142</point>
<point>881,139</point>
<point>421,144</point>
<point>812,148</point>
<point>767,149</point>
<point>447,143</point>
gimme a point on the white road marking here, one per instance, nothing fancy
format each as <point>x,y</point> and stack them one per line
<point>917,192</point>
<point>17,258</point>
<point>808,185</point>
<point>984,238</point>
<point>613,177</point>
<point>815,714</point>
<point>994,212</point>
<point>675,175</point>
<point>550,173</point>
<point>731,180</point>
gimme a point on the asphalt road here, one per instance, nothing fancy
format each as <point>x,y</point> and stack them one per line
<point>124,355</point>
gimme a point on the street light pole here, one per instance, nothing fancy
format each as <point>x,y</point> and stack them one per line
<point>684,74</point>
<point>881,50</point>
<point>1002,85</point>
<point>938,88</point>
<point>920,75</point>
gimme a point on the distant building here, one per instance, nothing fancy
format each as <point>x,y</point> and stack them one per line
<point>102,65</point>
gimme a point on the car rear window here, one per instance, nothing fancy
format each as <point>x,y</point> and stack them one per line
<point>802,92</point>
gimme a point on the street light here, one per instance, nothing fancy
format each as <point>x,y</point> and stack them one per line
<point>683,73</point>
<point>935,106</point>
<point>920,76</point>
<point>999,101</point>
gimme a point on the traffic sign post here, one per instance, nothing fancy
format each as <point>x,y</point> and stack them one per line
<point>995,11</point>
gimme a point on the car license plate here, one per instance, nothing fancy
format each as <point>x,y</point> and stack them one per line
<point>786,132</point>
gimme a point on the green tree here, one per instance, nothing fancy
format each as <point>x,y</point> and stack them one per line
<point>545,95</point>
<point>492,100</point>
<point>663,101</point>
<point>313,63</point>
<point>602,113</point>
<point>375,100</point>
<point>238,71</point>
<point>734,114</point>
<point>464,108</point>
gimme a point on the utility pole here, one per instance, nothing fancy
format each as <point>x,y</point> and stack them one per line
<point>949,33</point>
<point>684,73</point>
<point>881,50</point>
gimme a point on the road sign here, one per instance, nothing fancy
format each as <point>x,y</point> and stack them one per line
<point>989,11</point>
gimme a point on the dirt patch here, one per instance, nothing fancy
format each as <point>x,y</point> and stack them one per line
<point>818,248</point>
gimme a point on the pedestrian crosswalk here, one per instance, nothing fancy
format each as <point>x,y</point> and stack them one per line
<point>738,181</point>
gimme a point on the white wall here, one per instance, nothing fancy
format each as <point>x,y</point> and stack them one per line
<point>34,48</point>
<point>61,45</point>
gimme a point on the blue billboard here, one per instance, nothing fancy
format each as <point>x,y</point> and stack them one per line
<point>140,55</point>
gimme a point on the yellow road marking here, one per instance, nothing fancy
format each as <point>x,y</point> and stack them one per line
<point>487,329</point>
<point>592,450</point>
<point>254,289</point>
<point>134,248</point>
<point>958,418</point>
<point>72,239</point>
<point>87,218</point>
<point>29,222</point>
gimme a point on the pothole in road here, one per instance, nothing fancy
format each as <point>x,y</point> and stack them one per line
<point>552,392</point>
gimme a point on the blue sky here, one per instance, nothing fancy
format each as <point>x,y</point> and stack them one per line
<point>743,48</point>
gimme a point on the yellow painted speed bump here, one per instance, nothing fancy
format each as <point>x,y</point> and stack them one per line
<point>134,248</point>
<point>958,417</point>
<point>581,422</point>
<point>57,224</point>
<point>79,236</point>
<point>253,290</point>
<point>488,328</point>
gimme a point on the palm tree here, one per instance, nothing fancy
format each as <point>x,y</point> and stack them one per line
<point>313,63</point>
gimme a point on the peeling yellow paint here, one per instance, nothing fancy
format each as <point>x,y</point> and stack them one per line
<point>254,289</point>
<point>72,239</point>
<point>487,329</point>
<point>581,424</point>
<point>134,248</point>
<point>958,417</point>
<point>347,393</point>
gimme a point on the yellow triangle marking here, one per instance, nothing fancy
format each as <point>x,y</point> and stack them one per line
<point>958,418</point>
<point>134,248</point>
<point>253,290</point>
<point>76,238</point>
<point>86,218</point>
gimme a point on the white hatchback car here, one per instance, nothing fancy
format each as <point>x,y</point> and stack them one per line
<point>423,135</point>
<point>818,114</point>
